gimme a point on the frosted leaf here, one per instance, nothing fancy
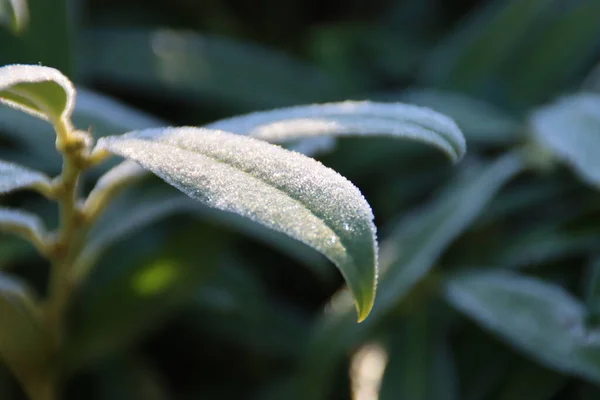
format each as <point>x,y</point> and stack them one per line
<point>350,118</point>
<point>13,177</point>
<point>283,190</point>
<point>14,14</point>
<point>40,91</point>
<point>570,128</point>
<point>20,222</point>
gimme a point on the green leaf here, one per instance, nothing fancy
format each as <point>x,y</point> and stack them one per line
<point>350,118</point>
<point>407,256</point>
<point>179,63</point>
<point>479,48</point>
<point>13,177</point>
<point>570,128</point>
<point>481,122</point>
<point>40,91</point>
<point>20,222</point>
<point>14,14</point>
<point>23,344</point>
<point>418,356</point>
<point>283,190</point>
<point>536,317</point>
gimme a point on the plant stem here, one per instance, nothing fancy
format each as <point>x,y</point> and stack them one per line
<point>66,191</point>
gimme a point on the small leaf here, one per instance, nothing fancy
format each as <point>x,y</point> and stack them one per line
<point>40,91</point>
<point>282,190</point>
<point>13,177</point>
<point>14,14</point>
<point>536,317</point>
<point>23,344</point>
<point>570,128</point>
<point>20,222</point>
<point>350,118</point>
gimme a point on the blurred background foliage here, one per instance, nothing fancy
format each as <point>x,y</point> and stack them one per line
<point>490,281</point>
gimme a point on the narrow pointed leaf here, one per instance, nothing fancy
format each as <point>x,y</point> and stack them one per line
<point>350,118</point>
<point>538,318</point>
<point>13,177</point>
<point>14,14</point>
<point>283,190</point>
<point>570,128</point>
<point>41,91</point>
<point>23,345</point>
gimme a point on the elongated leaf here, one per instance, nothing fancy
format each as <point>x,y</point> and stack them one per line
<point>23,345</point>
<point>14,14</point>
<point>203,68</point>
<point>570,128</point>
<point>40,91</point>
<point>20,222</point>
<point>536,317</point>
<point>481,122</point>
<point>282,190</point>
<point>350,118</point>
<point>406,257</point>
<point>13,177</point>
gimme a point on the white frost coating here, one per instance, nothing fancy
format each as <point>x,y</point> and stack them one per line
<point>13,75</point>
<point>13,176</point>
<point>350,118</point>
<point>20,220</point>
<point>571,129</point>
<point>283,190</point>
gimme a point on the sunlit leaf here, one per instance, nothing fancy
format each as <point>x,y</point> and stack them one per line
<point>41,91</point>
<point>570,128</point>
<point>538,318</point>
<point>13,177</point>
<point>407,256</point>
<point>282,190</point>
<point>14,14</point>
<point>350,119</point>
